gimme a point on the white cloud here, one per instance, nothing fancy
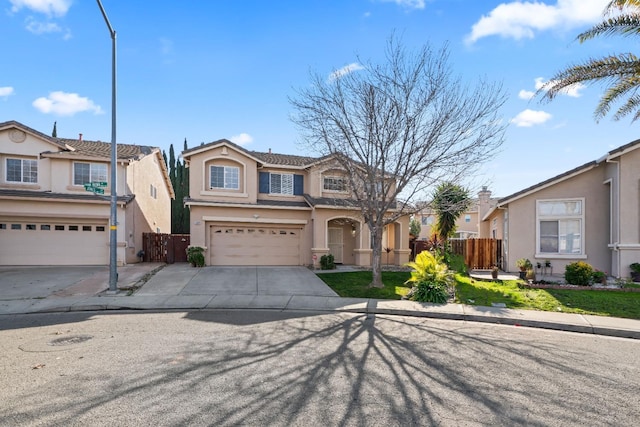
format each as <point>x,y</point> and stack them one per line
<point>408,4</point>
<point>354,66</point>
<point>520,20</point>
<point>242,139</point>
<point>65,104</point>
<point>6,91</point>
<point>37,27</point>
<point>528,118</point>
<point>526,94</point>
<point>48,7</point>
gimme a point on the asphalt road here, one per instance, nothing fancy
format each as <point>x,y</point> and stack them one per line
<point>280,369</point>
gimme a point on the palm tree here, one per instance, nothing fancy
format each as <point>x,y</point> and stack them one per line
<point>449,202</point>
<point>621,72</point>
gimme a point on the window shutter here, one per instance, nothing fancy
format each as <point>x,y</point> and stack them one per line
<point>263,186</point>
<point>298,185</point>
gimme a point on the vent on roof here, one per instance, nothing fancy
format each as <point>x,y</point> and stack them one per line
<point>80,137</point>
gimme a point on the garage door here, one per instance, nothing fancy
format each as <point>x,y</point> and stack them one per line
<point>254,245</point>
<point>55,242</point>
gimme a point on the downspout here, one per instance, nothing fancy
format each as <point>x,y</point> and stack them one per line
<point>617,216</point>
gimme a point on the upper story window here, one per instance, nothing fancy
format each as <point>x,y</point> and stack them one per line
<point>467,218</point>
<point>22,170</point>
<point>559,228</point>
<point>84,173</point>
<point>334,183</point>
<point>281,183</point>
<point>226,177</point>
<point>427,220</point>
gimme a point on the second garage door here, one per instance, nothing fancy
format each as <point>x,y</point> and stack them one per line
<point>254,245</point>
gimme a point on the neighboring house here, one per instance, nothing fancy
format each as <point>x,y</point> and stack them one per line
<point>469,225</point>
<point>48,218</point>
<point>252,208</point>
<point>589,214</point>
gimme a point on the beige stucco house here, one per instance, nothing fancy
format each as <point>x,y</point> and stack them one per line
<point>589,214</point>
<point>470,224</point>
<point>254,208</point>
<point>48,218</point>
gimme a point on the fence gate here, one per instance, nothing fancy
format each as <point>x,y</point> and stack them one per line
<point>483,254</point>
<point>162,247</point>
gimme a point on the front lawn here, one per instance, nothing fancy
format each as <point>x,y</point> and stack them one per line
<point>355,284</point>
<point>484,293</point>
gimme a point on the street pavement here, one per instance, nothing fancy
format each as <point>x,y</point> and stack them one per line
<point>150,286</point>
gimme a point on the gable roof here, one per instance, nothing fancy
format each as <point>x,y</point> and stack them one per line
<point>617,152</point>
<point>14,124</point>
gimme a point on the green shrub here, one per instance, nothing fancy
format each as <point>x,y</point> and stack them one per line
<point>195,256</point>
<point>598,276</point>
<point>430,278</point>
<point>428,291</point>
<point>327,262</point>
<point>579,273</point>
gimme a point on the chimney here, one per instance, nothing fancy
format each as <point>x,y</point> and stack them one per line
<point>80,137</point>
<point>269,150</point>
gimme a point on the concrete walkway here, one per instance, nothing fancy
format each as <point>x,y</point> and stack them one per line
<point>181,287</point>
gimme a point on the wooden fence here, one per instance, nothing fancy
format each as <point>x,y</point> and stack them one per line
<point>162,247</point>
<point>478,253</point>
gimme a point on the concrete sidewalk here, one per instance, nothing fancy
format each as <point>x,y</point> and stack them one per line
<point>181,287</point>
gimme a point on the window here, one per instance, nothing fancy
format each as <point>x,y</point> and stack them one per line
<point>334,183</point>
<point>560,227</point>
<point>153,191</point>
<point>16,226</point>
<point>22,170</point>
<point>84,173</point>
<point>281,183</point>
<point>59,227</point>
<point>100,228</point>
<point>31,227</point>
<point>467,218</point>
<point>227,177</point>
<point>427,220</point>
<point>73,228</point>
<point>45,227</point>
<point>86,228</point>
<point>3,226</point>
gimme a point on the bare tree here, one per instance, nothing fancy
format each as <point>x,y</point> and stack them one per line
<point>397,128</point>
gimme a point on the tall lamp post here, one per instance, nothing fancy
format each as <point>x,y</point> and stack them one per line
<point>113,228</point>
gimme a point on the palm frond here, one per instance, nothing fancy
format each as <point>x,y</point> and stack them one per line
<point>622,25</point>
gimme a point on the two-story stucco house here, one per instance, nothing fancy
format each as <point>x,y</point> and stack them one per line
<point>589,213</point>
<point>48,218</point>
<point>253,208</point>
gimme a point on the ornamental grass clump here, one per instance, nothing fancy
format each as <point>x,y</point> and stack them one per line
<point>430,278</point>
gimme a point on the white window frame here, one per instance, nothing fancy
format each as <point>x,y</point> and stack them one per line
<point>92,178</point>
<point>228,182</point>
<point>288,190</point>
<point>334,179</point>
<point>559,217</point>
<point>22,170</point>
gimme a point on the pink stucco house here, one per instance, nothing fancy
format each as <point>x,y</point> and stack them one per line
<point>48,218</point>
<point>590,213</point>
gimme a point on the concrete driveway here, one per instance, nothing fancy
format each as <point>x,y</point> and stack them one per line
<point>182,279</point>
<point>20,283</point>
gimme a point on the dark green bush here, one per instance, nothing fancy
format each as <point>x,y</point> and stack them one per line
<point>327,262</point>
<point>195,256</point>
<point>579,273</point>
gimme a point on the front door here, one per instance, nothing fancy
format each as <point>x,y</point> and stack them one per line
<point>336,244</point>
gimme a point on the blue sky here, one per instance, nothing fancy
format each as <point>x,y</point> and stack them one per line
<point>206,70</point>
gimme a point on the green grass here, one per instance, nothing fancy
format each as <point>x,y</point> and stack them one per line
<point>355,284</point>
<point>484,293</point>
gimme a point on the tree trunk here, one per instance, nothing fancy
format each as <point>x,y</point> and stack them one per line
<point>376,258</point>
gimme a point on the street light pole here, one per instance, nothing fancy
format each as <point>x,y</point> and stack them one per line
<point>113,228</point>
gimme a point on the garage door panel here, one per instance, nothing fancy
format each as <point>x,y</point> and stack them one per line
<point>254,245</point>
<point>58,242</point>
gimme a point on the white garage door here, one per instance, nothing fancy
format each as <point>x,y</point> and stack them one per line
<point>254,245</point>
<point>54,242</point>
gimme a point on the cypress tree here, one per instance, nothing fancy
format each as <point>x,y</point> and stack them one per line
<point>55,130</point>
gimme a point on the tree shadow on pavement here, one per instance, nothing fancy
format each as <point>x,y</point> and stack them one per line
<point>343,369</point>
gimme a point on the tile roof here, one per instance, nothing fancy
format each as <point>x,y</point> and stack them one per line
<point>103,149</point>
<point>62,196</point>
<point>283,159</point>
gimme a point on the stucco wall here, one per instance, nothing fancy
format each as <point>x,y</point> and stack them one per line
<point>522,222</point>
